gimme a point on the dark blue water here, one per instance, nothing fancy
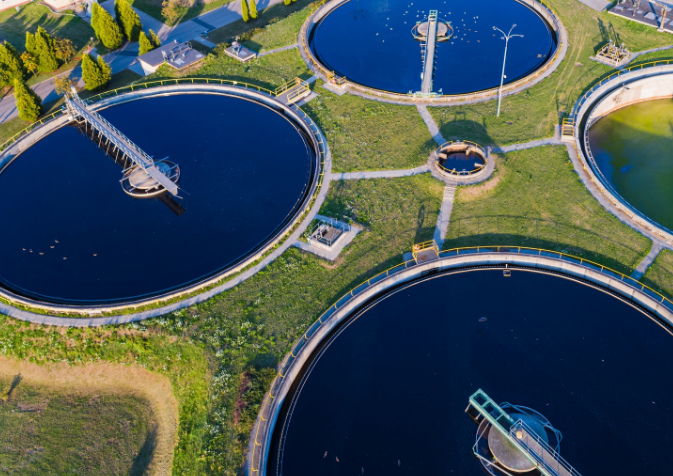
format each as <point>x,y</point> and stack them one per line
<point>369,42</point>
<point>244,169</point>
<point>395,383</point>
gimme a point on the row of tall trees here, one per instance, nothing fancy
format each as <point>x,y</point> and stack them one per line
<point>148,43</point>
<point>249,12</point>
<point>111,31</point>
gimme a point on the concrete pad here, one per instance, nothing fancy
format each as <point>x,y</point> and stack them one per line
<point>333,89</point>
<point>598,5</point>
<point>332,254</point>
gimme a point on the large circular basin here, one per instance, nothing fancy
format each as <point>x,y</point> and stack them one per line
<point>370,43</point>
<point>387,391</point>
<point>71,234</point>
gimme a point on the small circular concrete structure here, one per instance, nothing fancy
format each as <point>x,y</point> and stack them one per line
<point>137,183</point>
<point>444,31</point>
<point>456,159</point>
<point>618,90</point>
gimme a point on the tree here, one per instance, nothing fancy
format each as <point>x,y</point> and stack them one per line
<point>45,51</point>
<point>244,11</point>
<point>95,74</point>
<point>105,70</point>
<point>28,103</point>
<point>169,11</point>
<point>29,62</point>
<point>64,49</point>
<point>155,39</point>
<point>106,29</point>
<point>64,84</point>
<point>11,67</point>
<point>30,43</point>
<point>287,2</point>
<point>128,20</point>
<point>145,43</point>
<point>253,10</point>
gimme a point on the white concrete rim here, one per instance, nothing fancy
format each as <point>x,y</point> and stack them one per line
<point>263,430</point>
<point>637,219</point>
<point>283,237</point>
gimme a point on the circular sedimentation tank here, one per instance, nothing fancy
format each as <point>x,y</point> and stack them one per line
<point>632,150</point>
<point>246,171</point>
<point>368,42</point>
<point>385,391</point>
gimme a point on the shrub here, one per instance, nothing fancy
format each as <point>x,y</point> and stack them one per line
<point>28,103</point>
<point>128,20</point>
<point>64,49</point>
<point>29,62</point>
<point>95,74</point>
<point>106,29</point>
<point>11,67</point>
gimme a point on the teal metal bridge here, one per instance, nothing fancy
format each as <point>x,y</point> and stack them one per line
<point>546,459</point>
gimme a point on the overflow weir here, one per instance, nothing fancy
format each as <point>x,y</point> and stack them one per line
<point>157,178</point>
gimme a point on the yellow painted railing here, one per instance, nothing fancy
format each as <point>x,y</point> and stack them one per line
<point>262,423</point>
<point>454,172</point>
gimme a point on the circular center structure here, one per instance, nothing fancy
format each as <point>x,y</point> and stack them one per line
<point>369,43</point>
<point>386,391</point>
<point>461,158</point>
<point>72,234</point>
<point>632,149</point>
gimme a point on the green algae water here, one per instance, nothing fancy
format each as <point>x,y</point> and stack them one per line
<point>633,148</point>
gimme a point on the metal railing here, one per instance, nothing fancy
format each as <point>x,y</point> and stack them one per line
<point>470,144</point>
<point>265,409</point>
<point>552,462</point>
<point>449,97</point>
<point>137,87</point>
<point>580,102</point>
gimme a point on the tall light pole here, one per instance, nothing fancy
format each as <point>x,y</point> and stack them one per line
<point>505,37</point>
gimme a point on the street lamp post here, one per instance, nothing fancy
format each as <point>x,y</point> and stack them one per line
<point>505,37</point>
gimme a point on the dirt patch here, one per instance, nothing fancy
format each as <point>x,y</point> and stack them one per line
<point>240,404</point>
<point>477,191</point>
<point>106,378</point>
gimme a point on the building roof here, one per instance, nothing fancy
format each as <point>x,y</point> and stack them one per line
<point>178,55</point>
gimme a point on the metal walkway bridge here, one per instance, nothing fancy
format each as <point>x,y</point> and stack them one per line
<point>429,56</point>
<point>78,110</point>
<point>546,459</point>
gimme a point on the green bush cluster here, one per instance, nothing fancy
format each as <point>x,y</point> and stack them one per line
<point>42,46</point>
<point>128,20</point>
<point>148,43</point>
<point>28,103</point>
<point>107,31</point>
<point>11,66</point>
<point>95,74</point>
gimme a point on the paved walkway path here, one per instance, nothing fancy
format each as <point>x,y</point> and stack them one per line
<point>645,52</point>
<point>647,261</point>
<point>381,174</point>
<point>556,140</point>
<point>431,124</point>
<point>598,5</point>
<point>278,50</point>
<point>445,214</point>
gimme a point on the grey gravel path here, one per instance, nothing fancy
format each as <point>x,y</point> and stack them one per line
<point>648,260</point>
<point>277,50</point>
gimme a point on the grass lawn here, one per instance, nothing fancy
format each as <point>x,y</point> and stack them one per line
<point>280,32</point>
<point>153,9</point>
<point>536,199</point>
<point>659,275</point>
<point>11,127</point>
<point>268,72</point>
<point>368,135</point>
<point>254,324</point>
<point>13,26</point>
<point>533,113</point>
<point>73,433</point>
<point>159,345</point>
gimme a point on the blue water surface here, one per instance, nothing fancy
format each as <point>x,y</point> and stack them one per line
<point>394,384</point>
<point>71,233</point>
<point>370,42</point>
